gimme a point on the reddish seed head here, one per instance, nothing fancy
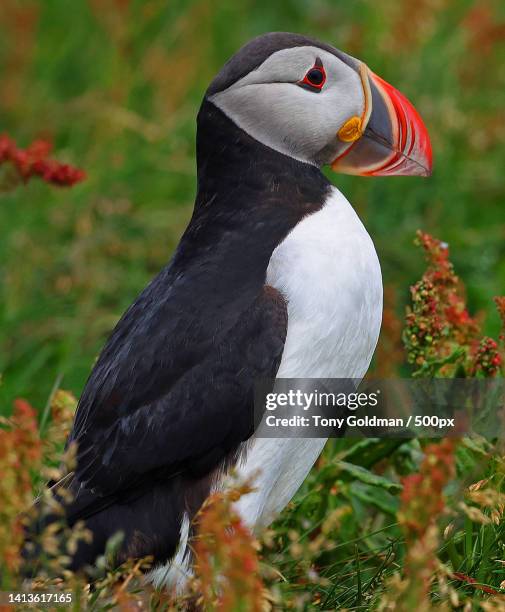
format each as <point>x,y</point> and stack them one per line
<point>33,161</point>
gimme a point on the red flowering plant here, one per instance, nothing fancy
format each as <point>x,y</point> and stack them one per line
<point>442,339</point>
<point>422,504</point>
<point>440,335</point>
<point>26,461</point>
<point>34,161</point>
<point>20,457</point>
<point>227,565</point>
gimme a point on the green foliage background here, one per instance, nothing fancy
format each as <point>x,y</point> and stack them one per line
<point>116,84</point>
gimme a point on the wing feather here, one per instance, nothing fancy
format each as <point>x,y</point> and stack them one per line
<point>194,423</point>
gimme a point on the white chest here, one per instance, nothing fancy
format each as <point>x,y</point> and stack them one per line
<point>329,273</point>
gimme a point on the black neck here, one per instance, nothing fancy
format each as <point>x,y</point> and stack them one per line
<point>249,196</point>
<point>229,159</point>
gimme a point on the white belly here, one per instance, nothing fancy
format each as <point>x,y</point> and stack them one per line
<point>329,273</point>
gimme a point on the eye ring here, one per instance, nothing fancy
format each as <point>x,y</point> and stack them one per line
<point>315,78</point>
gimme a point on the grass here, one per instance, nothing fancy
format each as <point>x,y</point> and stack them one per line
<point>116,86</point>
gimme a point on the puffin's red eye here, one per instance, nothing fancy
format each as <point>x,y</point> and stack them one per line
<point>315,77</point>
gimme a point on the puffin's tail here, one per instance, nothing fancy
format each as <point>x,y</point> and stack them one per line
<point>149,518</point>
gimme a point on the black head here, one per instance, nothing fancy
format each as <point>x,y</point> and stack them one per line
<point>316,104</point>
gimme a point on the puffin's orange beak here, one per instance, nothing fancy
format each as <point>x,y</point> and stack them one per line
<point>390,137</point>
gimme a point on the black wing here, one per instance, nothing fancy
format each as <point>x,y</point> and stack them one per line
<point>185,422</point>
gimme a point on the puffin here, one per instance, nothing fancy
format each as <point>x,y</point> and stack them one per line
<point>275,276</point>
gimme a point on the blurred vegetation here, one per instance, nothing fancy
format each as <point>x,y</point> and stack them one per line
<point>116,85</point>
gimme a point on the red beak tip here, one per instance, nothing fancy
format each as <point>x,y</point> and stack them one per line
<point>412,140</point>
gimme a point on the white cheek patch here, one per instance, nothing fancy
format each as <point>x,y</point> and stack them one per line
<point>269,105</point>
